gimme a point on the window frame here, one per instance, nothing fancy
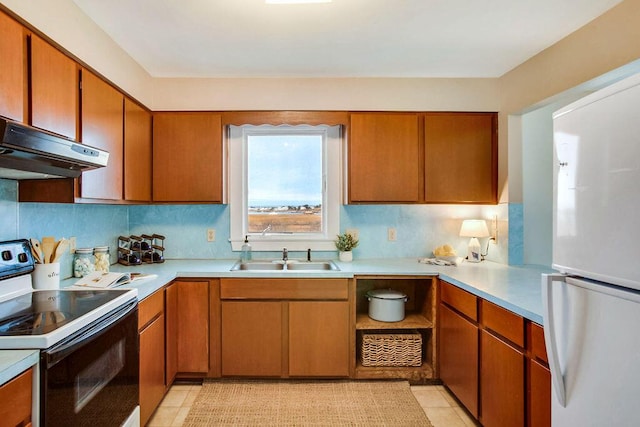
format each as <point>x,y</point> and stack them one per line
<point>333,144</point>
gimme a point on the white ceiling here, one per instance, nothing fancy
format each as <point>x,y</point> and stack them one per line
<point>345,38</point>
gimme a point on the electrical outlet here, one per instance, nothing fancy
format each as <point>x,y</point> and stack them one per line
<point>391,234</point>
<point>72,245</point>
<point>211,235</point>
<point>353,232</point>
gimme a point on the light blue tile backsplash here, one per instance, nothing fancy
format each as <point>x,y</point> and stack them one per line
<point>8,209</point>
<point>420,228</point>
<point>184,227</point>
<point>516,234</point>
<point>92,225</point>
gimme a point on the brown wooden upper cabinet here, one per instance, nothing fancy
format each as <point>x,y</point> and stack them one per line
<point>384,153</point>
<point>54,89</point>
<point>187,157</point>
<point>13,78</point>
<point>102,124</point>
<point>137,152</point>
<point>461,161</point>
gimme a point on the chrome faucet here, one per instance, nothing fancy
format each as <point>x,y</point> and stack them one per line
<point>285,254</point>
<point>266,229</point>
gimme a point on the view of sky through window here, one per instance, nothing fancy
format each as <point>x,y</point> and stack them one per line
<point>284,182</point>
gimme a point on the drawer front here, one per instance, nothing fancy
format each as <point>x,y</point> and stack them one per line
<point>503,322</point>
<point>290,289</point>
<point>150,307</point>
<point>538,348</point>
<point>459,300</point>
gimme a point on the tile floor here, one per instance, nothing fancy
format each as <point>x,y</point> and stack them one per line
<point>441,408</point>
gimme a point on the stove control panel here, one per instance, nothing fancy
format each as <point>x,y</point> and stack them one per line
<point>16,258</point>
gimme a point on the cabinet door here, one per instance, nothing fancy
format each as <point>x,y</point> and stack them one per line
<point>252,338</point>
<point>171,333</point>
<point>15,396</point>
<point>152,372</point>
<point>459,357</point>
<point>102,125</point>
<point>137,152</point>
<point>384,158</point>
<point>461,158</point>
<point>187,157</point>
<point>501,383</point>
<point>193,327</point>
<point>319,338</point>
<point>13,82</point>
<point>539,395</point>
<point>54,89</point>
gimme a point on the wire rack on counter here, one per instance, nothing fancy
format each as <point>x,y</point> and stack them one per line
<point>143,249</point>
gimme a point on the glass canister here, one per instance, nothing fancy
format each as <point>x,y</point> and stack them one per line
<point>102,259</point>
<point>83,262</point>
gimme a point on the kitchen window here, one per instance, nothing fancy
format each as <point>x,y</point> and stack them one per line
<point>284,186</point>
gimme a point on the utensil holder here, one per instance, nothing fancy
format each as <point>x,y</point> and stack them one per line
<point>46,276</point>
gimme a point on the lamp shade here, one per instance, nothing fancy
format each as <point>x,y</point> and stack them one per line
<point>474,228</point>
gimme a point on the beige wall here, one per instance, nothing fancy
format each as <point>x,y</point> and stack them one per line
<point>326,94</point>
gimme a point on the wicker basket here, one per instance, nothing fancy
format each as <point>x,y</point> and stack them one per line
<point>392,348</point>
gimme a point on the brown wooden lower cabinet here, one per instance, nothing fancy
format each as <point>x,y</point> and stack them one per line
<point>319,338</point>
<point>193,328</point>
<point>285,338</point>
<point>152,369</point>
<point>252,338</point>
<point>15,398</point>
<point>285,327</point>
<point>539,395</point>
<point>501,383</point>
<point>497,366</point>
<point>151,329</point>
<point>459,357</point>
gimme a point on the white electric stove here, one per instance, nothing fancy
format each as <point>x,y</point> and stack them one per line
<point>38,319</point>
<point>88,341</point>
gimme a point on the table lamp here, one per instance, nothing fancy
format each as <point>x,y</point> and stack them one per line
<point>474,228</point>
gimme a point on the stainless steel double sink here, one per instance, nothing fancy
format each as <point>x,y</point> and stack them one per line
<point>279,265</point>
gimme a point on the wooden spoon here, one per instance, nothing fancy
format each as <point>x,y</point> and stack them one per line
<point>59,250</point>
<point>48,244</point>
<point>36,251</point>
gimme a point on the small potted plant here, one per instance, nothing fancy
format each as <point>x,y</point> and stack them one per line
<point>345,243</point>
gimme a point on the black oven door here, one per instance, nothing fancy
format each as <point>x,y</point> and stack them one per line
<point>91,378</point>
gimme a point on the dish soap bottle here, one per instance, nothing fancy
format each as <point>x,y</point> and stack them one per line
<point>245,254</point>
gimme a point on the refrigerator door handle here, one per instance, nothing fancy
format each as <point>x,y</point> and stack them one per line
<point>550,335</point>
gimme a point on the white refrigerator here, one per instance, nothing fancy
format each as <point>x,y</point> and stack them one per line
<point>592,308</point>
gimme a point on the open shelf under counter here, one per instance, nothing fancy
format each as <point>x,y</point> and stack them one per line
<point>411,321</point>
<point>420,317</point>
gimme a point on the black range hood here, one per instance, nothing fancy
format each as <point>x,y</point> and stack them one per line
<point>30,153</point>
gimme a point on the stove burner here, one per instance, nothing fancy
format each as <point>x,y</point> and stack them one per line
<point>34,323</point>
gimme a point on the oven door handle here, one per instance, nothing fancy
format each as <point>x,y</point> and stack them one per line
<point>87,335</point>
